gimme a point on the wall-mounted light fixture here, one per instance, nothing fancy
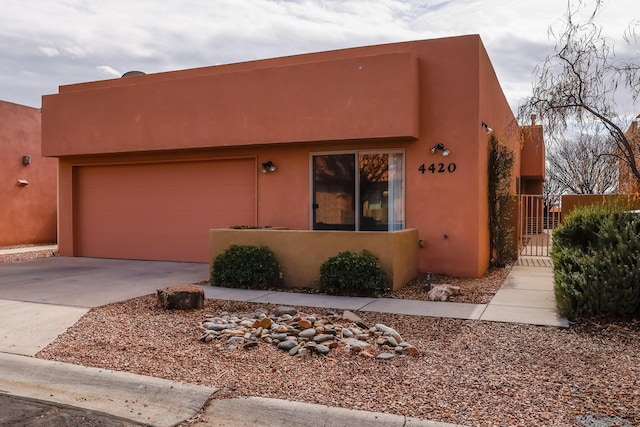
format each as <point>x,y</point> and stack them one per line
<point>268,167</point>
<point>486,127</point>
<point>23,182</point>
<point>26,160</point>
<point>440,147</point>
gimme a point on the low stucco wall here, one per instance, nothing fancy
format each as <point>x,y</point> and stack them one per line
<point>302,252</point>
<point>572,201</point>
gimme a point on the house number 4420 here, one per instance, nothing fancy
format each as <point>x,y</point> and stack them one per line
<point>438,167</point>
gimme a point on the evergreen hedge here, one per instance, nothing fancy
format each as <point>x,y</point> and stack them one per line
<point>246,266</point>
<point>351,274</point>
<point>596,252</point>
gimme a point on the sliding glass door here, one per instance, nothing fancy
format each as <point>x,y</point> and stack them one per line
<point>367,194</point>
<point>334,194</point>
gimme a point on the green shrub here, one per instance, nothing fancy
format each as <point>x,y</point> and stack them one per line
<point>254,267</point>
<point>595,254</point>
<point>351,274</point>
<point>503,247</point>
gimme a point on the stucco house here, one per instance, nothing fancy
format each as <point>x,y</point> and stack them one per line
<point>27,180</point>
<point>628,184</point>
<point>371,139</point>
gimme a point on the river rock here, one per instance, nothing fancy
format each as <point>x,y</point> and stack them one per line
<point>355,342</point>
<point>282,310</point>
<point>290,333</point>
<point>287,345</point>
<point>385,329</point>
<point>307,333</point>
<point>322,349</point>
<point>346,333</point>
<point>385,356</point>
<point>410,350</point>
<point>281,329</point>
<point>304,324</point>
<point>322,338</point>
<point>265,323</point>
<point>294,350</point>
<point>392,341</point>
<point>279,336</point>
<point>350,316</point>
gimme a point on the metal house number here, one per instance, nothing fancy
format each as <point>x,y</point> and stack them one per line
<point>438,168</point>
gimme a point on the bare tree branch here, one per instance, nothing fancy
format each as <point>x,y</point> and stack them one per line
<point>582,166</point>
<point>575,88</point>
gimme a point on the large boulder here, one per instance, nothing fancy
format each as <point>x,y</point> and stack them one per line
<point>181,297</point>
<point>442,292</point>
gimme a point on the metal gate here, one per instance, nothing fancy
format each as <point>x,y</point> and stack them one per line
<point>538,217</point>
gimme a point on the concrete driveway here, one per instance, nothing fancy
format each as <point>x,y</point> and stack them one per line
<point>40,299</point>
<point>92,282</point>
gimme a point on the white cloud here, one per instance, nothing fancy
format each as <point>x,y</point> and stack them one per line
<point>68,41</point>
<point>49,51</point>
<point>109,71</point>
<point>76,52</point>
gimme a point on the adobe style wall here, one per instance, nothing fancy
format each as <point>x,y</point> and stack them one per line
<point>408,96</point>
<point>300,253</point>
<point>27,212</point>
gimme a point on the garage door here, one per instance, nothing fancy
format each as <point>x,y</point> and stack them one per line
<point>160,211</point>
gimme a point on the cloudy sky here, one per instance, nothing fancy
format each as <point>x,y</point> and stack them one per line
<point>48,43</point>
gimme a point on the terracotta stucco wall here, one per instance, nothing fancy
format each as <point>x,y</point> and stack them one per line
<point>495,112</point>
<point>533,152</point>
<point>301,253</point>
<point>448,88</point>
<point>27,212</point>
<point>335,99</point>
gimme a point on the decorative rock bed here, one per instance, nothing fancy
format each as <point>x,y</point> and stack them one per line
<point>298,333</point>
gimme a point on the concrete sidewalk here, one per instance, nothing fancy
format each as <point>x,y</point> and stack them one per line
<point>525,297</point>
<point>42,298</point>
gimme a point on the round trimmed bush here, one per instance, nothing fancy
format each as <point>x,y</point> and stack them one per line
<point>351,274</point>
<point>246,266</point>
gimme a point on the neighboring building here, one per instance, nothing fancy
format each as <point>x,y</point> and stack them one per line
<point>27,180</point>
<point>532,171</point>
<point>377,138</point>
<point>628,184</point>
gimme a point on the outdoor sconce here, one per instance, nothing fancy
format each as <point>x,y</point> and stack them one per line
<point>440,147</point>
<point>486,127</point>
<point>26,160</point>
<point>23,182</point>
<point>268,167</point>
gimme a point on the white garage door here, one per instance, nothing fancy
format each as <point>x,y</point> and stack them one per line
<point>160,211</point>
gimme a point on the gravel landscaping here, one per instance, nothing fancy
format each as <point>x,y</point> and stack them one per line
<point>467,372</point>
<point>25,256</point>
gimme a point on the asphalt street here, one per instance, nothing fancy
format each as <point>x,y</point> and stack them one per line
<point>22,412</point>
